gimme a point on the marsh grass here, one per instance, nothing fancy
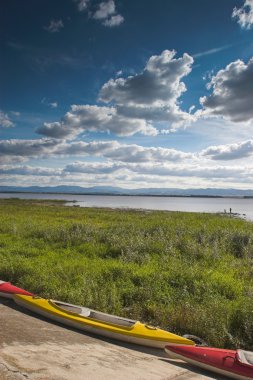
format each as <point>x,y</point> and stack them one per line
<point>186,272</point>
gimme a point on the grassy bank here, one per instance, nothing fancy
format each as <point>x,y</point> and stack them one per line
<point>186,272</point>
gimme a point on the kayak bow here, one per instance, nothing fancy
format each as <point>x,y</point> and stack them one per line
<point>7,290</point>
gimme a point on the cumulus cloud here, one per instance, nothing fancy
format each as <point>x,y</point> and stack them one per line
<point>54,26</point>
<point>232,93</point>
<point>5,121</point>
<point>86,118</point>
<point>244,15</point>
<point>106,12</point>
<point>153,94</point>
<point>158,83</point>
<point>137,102</point>
<point>230,151</point>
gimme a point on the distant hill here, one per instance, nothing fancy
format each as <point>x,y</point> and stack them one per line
<point>110,190</point>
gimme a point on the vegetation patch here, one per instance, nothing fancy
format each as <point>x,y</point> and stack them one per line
<point>186,272</point>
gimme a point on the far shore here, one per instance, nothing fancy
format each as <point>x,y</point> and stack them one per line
<point>131,195</point>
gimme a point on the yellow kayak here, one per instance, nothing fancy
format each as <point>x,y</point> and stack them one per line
<point>100,323</point>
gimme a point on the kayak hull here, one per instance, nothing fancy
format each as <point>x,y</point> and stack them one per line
<point>223,362</point>
<point>7,290</point>
<point>136,332</point>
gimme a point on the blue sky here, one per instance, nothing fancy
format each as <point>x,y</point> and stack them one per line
<point>127,93</point>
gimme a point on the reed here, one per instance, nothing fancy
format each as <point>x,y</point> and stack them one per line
<point>186,272</point>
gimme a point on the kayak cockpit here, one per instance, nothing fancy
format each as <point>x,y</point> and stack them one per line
<point>85,312</point>
<point>245,357</point>
<point>93,314</point>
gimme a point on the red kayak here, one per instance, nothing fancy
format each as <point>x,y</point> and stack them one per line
<point>7,290</point>
<point>237,364</point>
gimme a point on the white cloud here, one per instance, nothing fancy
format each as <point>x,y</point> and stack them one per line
<point>15,113</point>
<point>244,15</point>
<point>82,5</point>
<point>105,9</point>
<point>5,121</point>
<point>232,93</point>
<point>106,13</point>
<point>157,171</point>
<point>114,20</point>
<point>29,170</point>
<point>158,84</point>
<point>140,100</point>
<point>230,151</point>
<point>115,151</point>
<point>50,104</point>
<point>6,160</point>
<point>119,73</point>
<point>93,167</point>
<point>54,26</point>
<point>53,105</point>
<point>27,148</point>
<point>211,51</point>
<point>86,118</point>
<point>112,150</point>
<point>153,94</point>
<point>127,165</point>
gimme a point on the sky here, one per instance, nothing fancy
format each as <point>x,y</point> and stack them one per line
<point>133,94</point>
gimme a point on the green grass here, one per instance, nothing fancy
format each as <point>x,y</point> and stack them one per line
<point>186,272</point>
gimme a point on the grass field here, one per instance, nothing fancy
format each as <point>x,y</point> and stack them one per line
<point>186,272</point>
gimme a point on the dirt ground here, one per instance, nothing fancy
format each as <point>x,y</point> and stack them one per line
<point>35,349</point>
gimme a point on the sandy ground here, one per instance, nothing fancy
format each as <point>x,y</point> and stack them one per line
<point>35,349</point>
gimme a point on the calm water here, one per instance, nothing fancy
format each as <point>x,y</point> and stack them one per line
<point>238,205</point>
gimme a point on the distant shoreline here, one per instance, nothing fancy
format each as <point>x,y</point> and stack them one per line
<point>132,195</point>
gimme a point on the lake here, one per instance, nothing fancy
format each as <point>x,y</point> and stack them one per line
<point>188,204</point>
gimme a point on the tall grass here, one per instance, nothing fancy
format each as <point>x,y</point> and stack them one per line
<point>186,272</point>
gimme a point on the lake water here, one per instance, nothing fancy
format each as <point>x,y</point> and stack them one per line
<point>190,204</point>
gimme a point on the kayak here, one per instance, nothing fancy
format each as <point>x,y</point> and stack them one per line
<point>96,322</point>
<point>7,290</point>
<point>236,364</point>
